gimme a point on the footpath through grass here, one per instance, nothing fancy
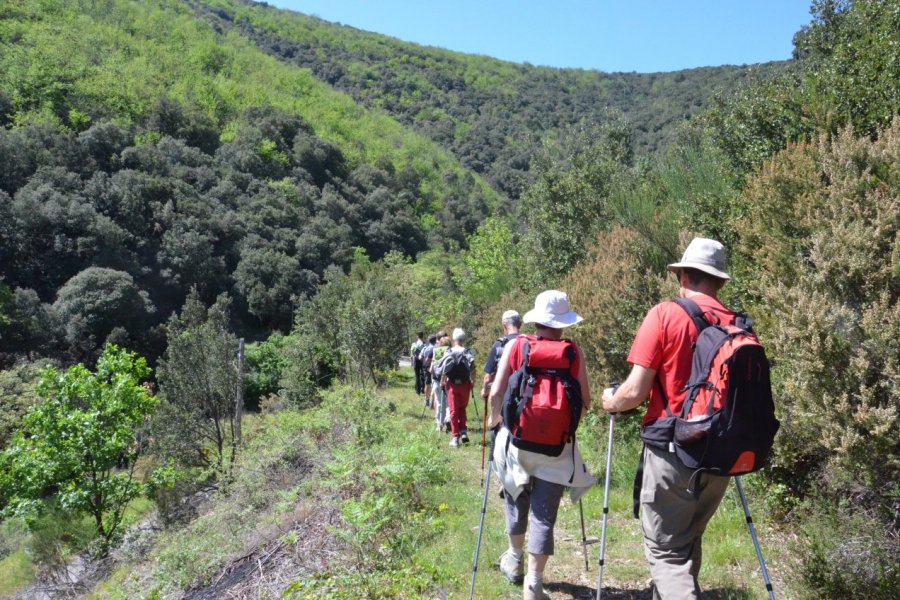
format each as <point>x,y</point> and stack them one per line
<point>730,568</point>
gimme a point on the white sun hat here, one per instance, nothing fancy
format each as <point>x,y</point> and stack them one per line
<point>704,255</point>
<point>551,309</point>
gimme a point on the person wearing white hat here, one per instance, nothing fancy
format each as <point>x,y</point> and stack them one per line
<point>533,483</point>
<point>673,521</point>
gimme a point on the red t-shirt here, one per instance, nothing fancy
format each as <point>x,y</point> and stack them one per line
<point>663,343</point>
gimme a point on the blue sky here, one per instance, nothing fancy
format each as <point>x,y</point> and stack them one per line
<point>622,35</point>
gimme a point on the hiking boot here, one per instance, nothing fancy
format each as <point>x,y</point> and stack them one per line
<point>511,568</point>
<point>464,437</point>
<point>438,428</point>
<point>454,443</point>
<point>534,591</point>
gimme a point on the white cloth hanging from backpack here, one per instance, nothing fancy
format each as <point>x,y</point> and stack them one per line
<point>514,467</point>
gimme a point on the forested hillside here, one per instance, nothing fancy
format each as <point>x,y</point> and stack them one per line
<point>145,154</point>
<point>491,114</point>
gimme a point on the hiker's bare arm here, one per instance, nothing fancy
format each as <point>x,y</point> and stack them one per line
<point>486,384</point>
<point>631,393</point>
<point>498,387</point>
<point>585,390</point>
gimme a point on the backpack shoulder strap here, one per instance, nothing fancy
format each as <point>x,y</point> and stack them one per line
<point>694,312</point>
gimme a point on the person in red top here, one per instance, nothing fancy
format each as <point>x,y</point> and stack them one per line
<point>674,507</point>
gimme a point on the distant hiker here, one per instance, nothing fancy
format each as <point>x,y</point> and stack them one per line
<point>535,455</point>
<point>416,363</point>
<point>511,323</point>
<point>673,519</point>
<point>426,357</point>
<point>457,377</point>
<point>438,389</point>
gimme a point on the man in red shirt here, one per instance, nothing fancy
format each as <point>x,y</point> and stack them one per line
<point>676,503</point>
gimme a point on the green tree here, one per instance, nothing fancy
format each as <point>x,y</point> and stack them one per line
<point>372,322</point>
<point>95,302</point>
<point>198,383</point>
<point>489,266</point>
<point>567,205</point>
<point>81,442</point>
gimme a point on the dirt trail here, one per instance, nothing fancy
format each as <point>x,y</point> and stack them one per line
<point>565,577</point>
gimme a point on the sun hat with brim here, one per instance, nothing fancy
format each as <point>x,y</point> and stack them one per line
<point>551,309</point>
<point>704,255</point>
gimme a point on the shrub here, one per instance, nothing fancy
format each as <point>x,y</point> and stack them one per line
<point>613,290</point>
<point>820,241</point>
<point>847,555</point>
<point>81,442</point>
<point>265,365</point>
<point>198,385</point>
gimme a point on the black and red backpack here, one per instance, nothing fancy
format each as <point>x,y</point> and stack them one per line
<point>727,423</point>
<point>542,405</point>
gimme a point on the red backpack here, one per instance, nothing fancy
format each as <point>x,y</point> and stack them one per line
<point>727,423</point>
<point>542,405</point>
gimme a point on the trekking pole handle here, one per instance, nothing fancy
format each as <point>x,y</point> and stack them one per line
<point>614,386</point>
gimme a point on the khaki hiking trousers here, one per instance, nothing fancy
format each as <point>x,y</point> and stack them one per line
<point>673,520</point>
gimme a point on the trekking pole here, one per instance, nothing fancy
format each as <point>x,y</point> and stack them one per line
<point>583,536</point>
<point>609,452</point>
<point>759,556</point>
<point>484,424</point>
<point>475,404</point>
<point>487,485</point>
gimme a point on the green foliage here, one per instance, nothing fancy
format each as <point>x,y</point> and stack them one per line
<point>847,73</point>
<point>567,206</point>
<point>847,555</point>
<point>490,264</point>
<point>17,388</point>
<point>80,443</point>
<point>198,381</point>
<point>95,302</point>
<point>820,238</point>
<point>354,328</point>
<point>371,322</point>
<point>265,365</point>
<point>852,63</point>
<point>490,114</point>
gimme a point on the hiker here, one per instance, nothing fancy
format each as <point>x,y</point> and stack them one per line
<point>511,323</point>
<point>416,363</point>
<point>438,391</point>
<point>457,378</point>
<point>673,519</point>
<point>426,356</point>
<point>534,480</point>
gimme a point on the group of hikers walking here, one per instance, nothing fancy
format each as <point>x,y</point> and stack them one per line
<point>535,389</point>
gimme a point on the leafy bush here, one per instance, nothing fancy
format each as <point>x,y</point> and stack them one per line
<point>73,443</point>
<point>198,382</point>
<point>847,555</point>
<point>265,365</point>
<point>820,242</point>
<point>613,289</point>
<point>17,387</point>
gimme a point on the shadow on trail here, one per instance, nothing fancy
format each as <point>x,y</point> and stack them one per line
<point>581,592</point>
